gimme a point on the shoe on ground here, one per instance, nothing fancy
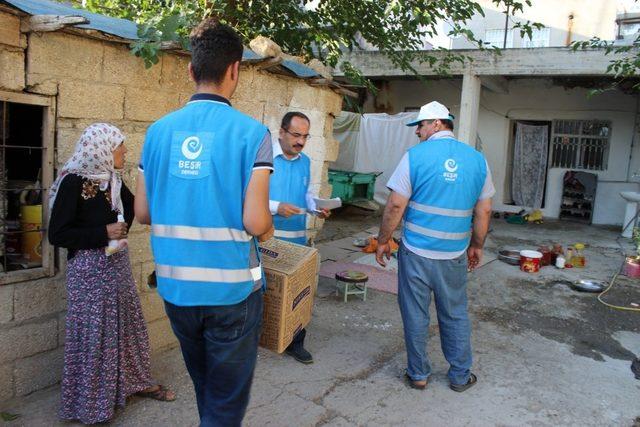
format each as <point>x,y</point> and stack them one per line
<point>300,354</point>
<point>416,384</point>
<point>462,387</point>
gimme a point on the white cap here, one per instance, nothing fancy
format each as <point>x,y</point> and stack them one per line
<point>431,111</point>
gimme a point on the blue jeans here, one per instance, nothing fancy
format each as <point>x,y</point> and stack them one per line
<point>220,347</point>
<point>418,277</point>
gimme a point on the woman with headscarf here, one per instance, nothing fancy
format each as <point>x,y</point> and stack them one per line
<point>106,346</point>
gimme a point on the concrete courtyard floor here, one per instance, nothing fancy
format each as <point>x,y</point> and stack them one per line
<point>544,354</point>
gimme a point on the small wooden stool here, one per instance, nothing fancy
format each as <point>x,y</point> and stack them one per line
<point>352,283</point>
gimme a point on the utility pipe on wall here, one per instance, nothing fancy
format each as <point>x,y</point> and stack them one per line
<point>569,30</point>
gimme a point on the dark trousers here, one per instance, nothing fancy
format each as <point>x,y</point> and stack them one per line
<point>298,340</point>
<point>220,347</point>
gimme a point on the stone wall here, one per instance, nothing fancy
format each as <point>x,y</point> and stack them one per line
<point>95,80</point>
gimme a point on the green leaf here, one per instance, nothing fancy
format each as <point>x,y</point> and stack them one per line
<point>395,27</point>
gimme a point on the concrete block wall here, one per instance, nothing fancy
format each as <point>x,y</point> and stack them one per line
<point>99,81</point>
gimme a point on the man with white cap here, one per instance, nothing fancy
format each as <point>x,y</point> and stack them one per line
<point>440,187</point>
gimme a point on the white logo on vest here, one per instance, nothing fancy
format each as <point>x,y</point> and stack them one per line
<point>191,150</point>
<point>451,168</point>
<point>191,147</point>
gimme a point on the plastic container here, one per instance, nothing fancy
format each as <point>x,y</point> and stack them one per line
<point>631,266</point>
<point>352,186</point>
<point>560,261</point>
<point>30,224</point>
<point>530,261</point>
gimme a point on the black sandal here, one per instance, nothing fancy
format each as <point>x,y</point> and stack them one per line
<point>462,387</point>
<point>161,393</point>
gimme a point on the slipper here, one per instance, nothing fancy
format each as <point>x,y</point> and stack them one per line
<point>161,393</point>
<point>462,387</point>
<point>415,384</point>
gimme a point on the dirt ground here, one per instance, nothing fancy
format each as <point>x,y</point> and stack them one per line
<point>348,221</point>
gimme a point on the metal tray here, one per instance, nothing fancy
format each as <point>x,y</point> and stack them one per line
<point>588,285</point>
<point>510,257</point>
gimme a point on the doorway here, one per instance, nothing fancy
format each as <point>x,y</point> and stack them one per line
<point>527,163</point>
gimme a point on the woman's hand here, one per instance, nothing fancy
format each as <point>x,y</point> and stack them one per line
<point>117,230</point>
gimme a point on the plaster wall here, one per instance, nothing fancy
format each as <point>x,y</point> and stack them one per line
<point>92,80</point>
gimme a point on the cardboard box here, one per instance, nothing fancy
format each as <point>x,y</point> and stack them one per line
<point>292,277</point>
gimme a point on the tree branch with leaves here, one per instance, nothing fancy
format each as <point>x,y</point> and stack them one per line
<point>322,29</point>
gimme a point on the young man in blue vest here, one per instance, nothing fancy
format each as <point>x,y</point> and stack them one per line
<point>203,186</point>
<point>291,199</point>
<point>439,185</point>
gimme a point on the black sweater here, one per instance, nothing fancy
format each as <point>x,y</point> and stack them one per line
<point>81,213</point>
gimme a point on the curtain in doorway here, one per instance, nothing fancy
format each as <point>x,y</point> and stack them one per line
<point>529,164</point>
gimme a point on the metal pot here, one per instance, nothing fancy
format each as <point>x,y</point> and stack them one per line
<point>509,256</point>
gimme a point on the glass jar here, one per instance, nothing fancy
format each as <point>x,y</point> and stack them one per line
<point>557,250</point>
<point>546,255</point>
<point>578,259</point>
<point>569,257</point>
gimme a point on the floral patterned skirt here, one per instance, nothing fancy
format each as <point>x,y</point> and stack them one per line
<point>106,352</point>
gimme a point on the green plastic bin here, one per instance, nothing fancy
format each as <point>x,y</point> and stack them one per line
<point>352,186</point>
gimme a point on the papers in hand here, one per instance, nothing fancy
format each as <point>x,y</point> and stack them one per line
<point>327,203</point>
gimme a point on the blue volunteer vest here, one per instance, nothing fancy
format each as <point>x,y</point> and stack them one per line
<point>289,183</point>
<point>197,164</point>
<point>447,177</point>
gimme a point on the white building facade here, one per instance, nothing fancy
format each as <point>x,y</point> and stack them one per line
<point>551,87</point>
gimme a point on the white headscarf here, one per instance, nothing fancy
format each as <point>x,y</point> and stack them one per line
<point>93,159</point>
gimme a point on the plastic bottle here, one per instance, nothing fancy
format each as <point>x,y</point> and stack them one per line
<point>114,244</point>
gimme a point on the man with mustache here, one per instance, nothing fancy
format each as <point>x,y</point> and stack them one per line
<point>442,187</point>
<point>290,197</point>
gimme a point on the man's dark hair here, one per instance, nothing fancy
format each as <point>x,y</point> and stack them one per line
<point>286,120</point>
<point>214,46</point>
<point>447,123</point>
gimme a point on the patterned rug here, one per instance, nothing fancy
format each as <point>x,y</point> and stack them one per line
<point>379,279</point>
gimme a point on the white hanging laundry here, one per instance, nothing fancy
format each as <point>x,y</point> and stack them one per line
<point>382,141</point>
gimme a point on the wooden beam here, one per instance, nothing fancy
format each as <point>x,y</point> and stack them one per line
<point>24,98</point>
<point>170,45</point>
<point>319,81</point>
<point>48,167</point>
<point>47,23</point>
<point>269,63</point>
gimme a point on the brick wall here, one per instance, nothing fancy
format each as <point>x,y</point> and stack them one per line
<point>94,80</point>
